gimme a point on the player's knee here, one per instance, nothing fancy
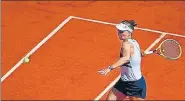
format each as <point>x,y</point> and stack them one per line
<point>136,99</point>
<point>111,96</point>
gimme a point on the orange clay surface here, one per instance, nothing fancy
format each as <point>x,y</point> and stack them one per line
<point>65,67</point>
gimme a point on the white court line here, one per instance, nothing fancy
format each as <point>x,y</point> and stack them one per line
<point>114,82</point>
<point>144,29</point>
<point>155,42</point>
<point>36,48</point>
<point>107,88</point>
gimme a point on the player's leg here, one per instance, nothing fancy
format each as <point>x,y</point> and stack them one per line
<point>111,95</point>
<point>114,94</point>
<point>117,92</point>
<point>135,98</point>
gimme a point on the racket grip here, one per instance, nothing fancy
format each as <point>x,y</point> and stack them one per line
<point>148,52</point>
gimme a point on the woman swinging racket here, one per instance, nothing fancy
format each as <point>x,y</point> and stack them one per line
<point>132,82</point>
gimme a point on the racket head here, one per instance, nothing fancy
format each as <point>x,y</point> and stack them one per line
<point>170,49</point>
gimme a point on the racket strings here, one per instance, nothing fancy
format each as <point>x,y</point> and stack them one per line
<point>171,49</point>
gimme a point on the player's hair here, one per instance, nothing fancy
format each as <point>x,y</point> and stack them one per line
<point>129,23</point>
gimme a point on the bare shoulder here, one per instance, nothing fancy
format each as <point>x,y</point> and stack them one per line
<point>126,48</point>
<point>126,45</point>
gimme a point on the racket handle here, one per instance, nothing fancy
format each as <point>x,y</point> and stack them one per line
<point>148,52</point>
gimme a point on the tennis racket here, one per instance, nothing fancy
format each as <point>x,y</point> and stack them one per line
<point>168,48</point>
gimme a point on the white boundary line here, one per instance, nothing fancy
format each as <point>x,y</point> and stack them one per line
<point>114,82</point>
<point>155,42</point>
<point>36,48</point>
<point>107,88</point>
<point>144,29</point>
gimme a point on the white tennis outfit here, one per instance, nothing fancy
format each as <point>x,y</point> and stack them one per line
<point>131,71</point>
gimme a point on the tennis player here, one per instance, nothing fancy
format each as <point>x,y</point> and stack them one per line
<point>132,83</point>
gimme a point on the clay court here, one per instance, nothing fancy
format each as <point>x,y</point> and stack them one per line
<point>68,42</point>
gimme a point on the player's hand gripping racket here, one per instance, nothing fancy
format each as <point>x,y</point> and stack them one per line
<point>169,49</point>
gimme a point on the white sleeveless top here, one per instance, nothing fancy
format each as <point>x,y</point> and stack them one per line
<point>131,71</point>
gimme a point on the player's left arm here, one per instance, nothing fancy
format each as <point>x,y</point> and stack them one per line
<point>126,50</point>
